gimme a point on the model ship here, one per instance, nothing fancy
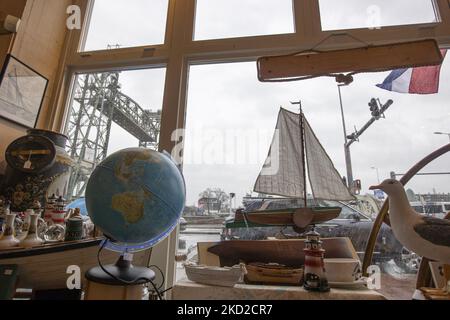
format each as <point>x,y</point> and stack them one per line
<point>261,273</point>
<point>296,156</point>
<point>215,276</point>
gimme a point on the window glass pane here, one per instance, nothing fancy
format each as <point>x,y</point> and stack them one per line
<point>216,19</point>
<point>351,14</point>
<point>126,23</point>
<point>230,123</point>
<point>111,111</point>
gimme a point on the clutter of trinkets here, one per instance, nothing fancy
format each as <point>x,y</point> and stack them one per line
<point>39,225</point>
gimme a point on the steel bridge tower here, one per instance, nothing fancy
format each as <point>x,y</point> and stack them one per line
<point>97,102</point>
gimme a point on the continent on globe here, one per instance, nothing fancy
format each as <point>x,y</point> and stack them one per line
<point>123,169</point>
<point>130,204</point>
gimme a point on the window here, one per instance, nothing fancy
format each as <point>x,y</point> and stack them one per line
<point>230,122</point>
<point>216,19</point>
<point>228,98</point>
<point>351,14</point>
<point>111,111</point>
<point>126,23</point>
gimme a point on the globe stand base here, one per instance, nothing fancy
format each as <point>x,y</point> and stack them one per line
<point>123,273</point>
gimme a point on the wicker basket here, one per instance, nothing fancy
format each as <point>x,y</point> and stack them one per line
<point>275,274</point>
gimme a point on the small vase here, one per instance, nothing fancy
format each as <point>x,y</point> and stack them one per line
<point>27,220</point>
<point>8,238</point>
<point>32,239</point>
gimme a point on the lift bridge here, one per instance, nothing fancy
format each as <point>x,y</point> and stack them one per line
<point>98,102</point>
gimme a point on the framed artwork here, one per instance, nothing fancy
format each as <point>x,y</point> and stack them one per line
<point>22,91</point>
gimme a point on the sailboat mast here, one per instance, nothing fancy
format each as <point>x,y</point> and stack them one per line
<point>303,147</point>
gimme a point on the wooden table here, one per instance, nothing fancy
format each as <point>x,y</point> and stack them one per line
<point>187,290</point>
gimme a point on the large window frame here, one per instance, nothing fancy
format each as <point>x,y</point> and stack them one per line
<point>179,51</point>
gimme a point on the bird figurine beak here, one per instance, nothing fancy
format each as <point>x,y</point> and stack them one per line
<point>375,187</point>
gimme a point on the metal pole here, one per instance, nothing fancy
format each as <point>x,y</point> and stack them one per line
<point>393,174</point>
<point>378,174</point>
<point>348,158</point>
<point>443,133</point>
<point>303,149</point>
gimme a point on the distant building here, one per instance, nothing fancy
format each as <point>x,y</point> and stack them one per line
<point>209,206</point>
<point>433,204</point>
<point>431,197</point>
<point>435,197</point>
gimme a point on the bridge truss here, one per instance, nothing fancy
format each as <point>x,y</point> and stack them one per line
<point>97,102</point>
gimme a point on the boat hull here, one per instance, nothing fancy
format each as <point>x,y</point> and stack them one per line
<point>214,276</point>
<point>259,273</point>
<point>284,217</point>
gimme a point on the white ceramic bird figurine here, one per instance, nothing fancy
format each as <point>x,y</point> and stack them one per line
<point>426,236</point>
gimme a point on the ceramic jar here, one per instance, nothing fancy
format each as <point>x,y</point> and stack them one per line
<point>74,229</point>
<point>37,207</point>
<point>32,239</point>
<point>24,187</point>
<point>59,213</point>
<point>8,238</point>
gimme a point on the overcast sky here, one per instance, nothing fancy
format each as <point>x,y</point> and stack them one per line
<point>226,101</point>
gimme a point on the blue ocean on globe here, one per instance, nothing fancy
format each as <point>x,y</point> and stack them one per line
<point>136,197</point>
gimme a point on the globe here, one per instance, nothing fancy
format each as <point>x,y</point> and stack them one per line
<point>135,197</point>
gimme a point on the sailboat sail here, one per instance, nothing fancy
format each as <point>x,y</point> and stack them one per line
<point>325,180</point>
<point>283,172</point>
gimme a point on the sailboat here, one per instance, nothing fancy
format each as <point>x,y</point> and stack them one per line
<point>295,156</point>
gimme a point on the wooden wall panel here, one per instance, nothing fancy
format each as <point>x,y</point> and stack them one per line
<point>15,8</point>
<point>39,44</point>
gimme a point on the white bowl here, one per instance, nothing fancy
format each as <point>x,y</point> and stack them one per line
<point>342,270</point>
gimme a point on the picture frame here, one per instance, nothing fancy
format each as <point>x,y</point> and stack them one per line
<point>437,273</point>
<point>22,92</point>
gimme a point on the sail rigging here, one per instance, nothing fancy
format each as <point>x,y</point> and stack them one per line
<point>283,173</point>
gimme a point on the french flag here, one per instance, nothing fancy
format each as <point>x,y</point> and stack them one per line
<point>421,80</point>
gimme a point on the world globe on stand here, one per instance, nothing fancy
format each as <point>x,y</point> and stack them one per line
<point>136,197</point>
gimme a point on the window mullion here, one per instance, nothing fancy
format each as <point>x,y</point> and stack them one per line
<point>120,58</point>
<point>174,108</point>
<point>443,8</point>
<point>307,18</point>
